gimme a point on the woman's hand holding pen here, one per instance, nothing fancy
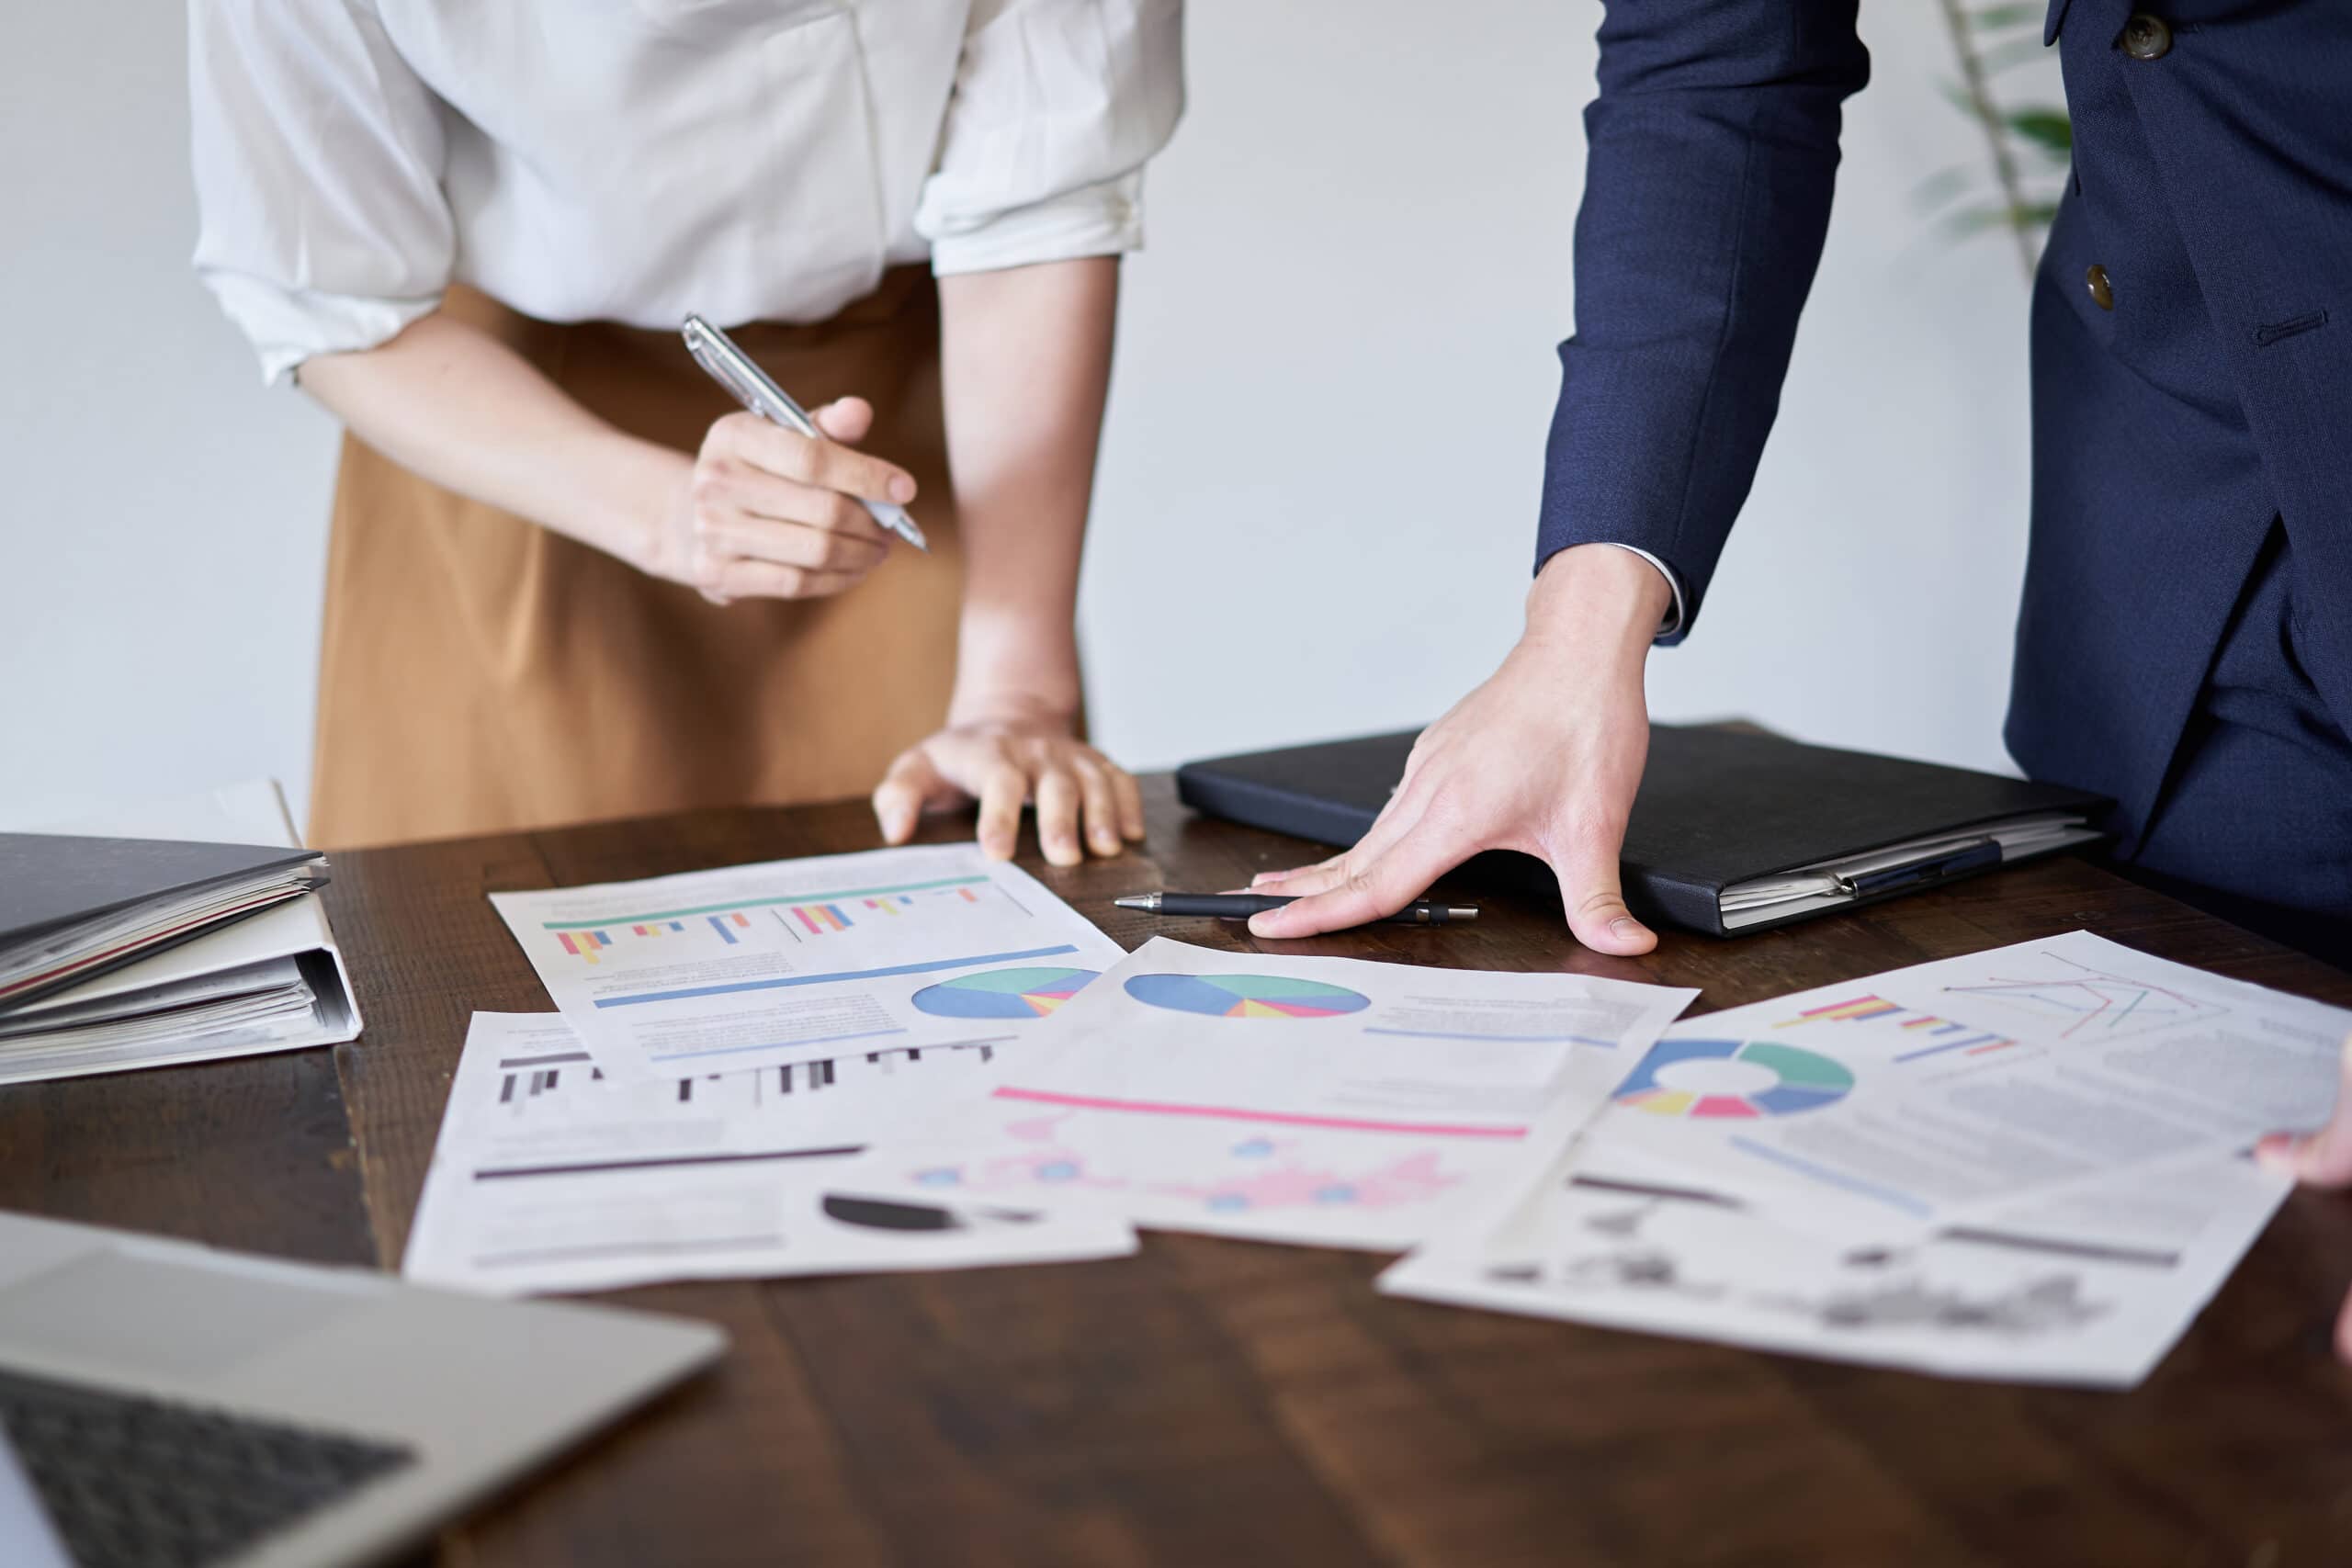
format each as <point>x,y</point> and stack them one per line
<point>765,513</point>
<point>1003,757</point>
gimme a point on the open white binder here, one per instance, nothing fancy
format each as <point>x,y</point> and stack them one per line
<point>274,982</point>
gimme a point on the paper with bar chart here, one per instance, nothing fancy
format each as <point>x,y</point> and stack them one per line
<point>548,1176</point>
<point>1925,1095</point>
<point>1319,1100</point>
<point>759,965</point>
<point>2090,1288</point>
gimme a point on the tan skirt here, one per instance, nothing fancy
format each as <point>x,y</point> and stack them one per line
<point>480,674</point>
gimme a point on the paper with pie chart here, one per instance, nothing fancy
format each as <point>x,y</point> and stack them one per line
<point>1734,1079</point>
<point>1319,1100</point>
<point>1928,1095</point>
<point>793,960</point>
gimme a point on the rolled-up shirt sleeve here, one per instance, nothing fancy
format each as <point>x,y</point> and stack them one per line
<point>1713,152</point>
<point>318,157</point>
<point>1057,106</point>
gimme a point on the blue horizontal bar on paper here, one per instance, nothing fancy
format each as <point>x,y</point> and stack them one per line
<point>784,980</point>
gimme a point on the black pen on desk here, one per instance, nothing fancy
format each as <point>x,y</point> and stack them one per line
<point>1241,906</point>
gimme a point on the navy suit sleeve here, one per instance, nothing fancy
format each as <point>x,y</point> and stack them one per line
<point>1713,148</point>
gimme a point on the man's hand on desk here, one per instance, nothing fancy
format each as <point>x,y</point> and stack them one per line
<point>1543,758</point>
<point>2321,1159</point>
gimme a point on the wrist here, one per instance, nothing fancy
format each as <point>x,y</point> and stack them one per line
<point>1017,706</point>
<point>1014,667</point>
<point>625,508</point>
<point>1597,600</point>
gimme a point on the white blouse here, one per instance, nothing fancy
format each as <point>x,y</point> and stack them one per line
<point>637,160</point>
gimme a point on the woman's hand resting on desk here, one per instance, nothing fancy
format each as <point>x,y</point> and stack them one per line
<point>2320,1160</point>
<point>765,513</point>
<point>1004,758</point>
<point>1543,758</point>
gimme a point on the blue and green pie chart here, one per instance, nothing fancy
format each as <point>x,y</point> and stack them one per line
<point>1733,1078</point>
<point>1246,996</point>
<point>1002,993</point>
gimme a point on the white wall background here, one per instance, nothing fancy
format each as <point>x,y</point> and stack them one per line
<point>1336,371</point>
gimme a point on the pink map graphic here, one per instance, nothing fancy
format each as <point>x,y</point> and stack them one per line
<point>1266,1175</point>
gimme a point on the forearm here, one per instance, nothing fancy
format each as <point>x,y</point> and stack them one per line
<point>458,407</point>
<point>1713,152</point>
<point>1026,366</point>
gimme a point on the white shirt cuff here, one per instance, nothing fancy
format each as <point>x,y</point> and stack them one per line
<point>1673,622</point>
<point>287,326</point>
<point>1104,219</point>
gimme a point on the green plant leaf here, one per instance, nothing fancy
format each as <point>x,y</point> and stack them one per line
<point>1959,99</point>
<point>2047,128</point>
<point>1940,187</point>
<point>2015,52</point>
<point>1990,18</point>
<point>2031,218</point>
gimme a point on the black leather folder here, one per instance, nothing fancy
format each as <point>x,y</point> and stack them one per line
<point>1721,811</point>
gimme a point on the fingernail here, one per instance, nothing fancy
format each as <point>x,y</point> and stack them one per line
<point>1261,924</point>
<point>2276,1154</point>
<point>902,490</point>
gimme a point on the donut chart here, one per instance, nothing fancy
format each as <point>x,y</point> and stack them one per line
<point>1733,1078</point>
<point>1246,996</point>
<point>1002,993</point>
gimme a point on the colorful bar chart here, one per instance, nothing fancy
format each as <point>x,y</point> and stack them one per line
<point>584,945</point>
<point>588,945</point>
<point>805,915</point>
<point>1941,1034</point>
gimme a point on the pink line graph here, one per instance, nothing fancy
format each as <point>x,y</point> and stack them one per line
<point>2102,1003</point>
<point>1235,1113</point>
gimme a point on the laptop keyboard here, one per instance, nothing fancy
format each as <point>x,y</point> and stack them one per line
<point>137,1483</point>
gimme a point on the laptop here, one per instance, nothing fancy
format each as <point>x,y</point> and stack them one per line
<point>168,1403</point>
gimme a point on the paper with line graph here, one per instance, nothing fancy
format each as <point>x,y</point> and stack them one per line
<point>548,1176</point>
<point>2089,1288</point>
<point>1919,1097</point>
<point>1326,1102</point>
<point>758,966</point>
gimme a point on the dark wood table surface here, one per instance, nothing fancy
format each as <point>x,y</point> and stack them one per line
<point>1217,1402</point>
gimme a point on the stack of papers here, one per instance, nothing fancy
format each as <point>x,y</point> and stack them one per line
<point>269,978</point>
<point>75,905</point>
<point>2029,1163</point>
<point>1825,885</point>
<point>921,1058</point>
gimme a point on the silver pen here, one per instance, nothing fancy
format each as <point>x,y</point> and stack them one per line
<point>751,386</point>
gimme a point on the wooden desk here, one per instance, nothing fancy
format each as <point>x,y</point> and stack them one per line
<point>1218,1402</point>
